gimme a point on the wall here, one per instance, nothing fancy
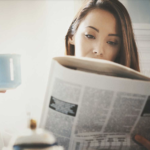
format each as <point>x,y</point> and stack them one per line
<point>36,30</point>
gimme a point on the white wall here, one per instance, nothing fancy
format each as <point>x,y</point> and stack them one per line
<point>35,29</point>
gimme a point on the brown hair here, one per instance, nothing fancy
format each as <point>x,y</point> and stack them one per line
<point>128,55</point>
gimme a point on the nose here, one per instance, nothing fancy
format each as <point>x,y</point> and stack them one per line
<point>98,49</point>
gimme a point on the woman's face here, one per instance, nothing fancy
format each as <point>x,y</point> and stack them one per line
<point>97,36</point>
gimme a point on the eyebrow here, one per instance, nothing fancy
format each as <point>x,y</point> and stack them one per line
<point>114,35</point>
<point>93,28</point>
<point>98,31</point>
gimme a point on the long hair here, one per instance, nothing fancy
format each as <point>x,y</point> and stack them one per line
<point>128,54</point>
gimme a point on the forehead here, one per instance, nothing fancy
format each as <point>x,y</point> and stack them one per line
<point>100,19</point>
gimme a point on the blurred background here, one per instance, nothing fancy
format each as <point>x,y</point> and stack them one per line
<point>36,30</point>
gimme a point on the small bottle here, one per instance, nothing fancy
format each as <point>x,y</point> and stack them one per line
<point>34,139</point>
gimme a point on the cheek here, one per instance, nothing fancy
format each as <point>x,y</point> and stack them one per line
<point>112,54</point>
<point>81,46</point>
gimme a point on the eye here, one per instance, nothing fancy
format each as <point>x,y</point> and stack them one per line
<point>112,43</point>
<point>89,36</point>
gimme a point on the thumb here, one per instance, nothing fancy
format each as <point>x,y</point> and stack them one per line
<point>143,141</point>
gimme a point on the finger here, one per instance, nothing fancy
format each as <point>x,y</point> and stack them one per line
<point>143,141</point>
<point>2,91</point>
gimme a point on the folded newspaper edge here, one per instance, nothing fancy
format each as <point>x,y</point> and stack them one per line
<point>100,66</point>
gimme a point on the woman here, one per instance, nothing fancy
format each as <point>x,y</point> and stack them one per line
<point>102,29</point>
<point>127,54</point>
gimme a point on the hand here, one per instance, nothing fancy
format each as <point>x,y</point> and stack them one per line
<point>143,141</point>
<point>2,91</point>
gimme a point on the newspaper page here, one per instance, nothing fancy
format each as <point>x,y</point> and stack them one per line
<point>87,111</point>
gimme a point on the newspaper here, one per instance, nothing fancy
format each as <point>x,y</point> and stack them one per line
<point>92,111</point>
